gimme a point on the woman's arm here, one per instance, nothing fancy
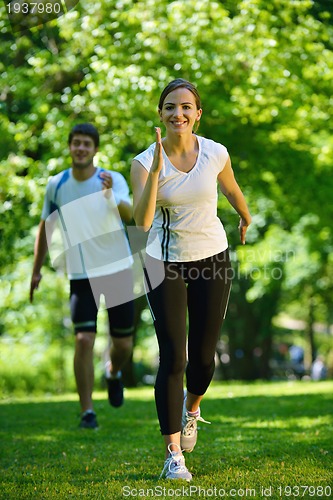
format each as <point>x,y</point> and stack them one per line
<point>145,185</point>
<point>234,195</point>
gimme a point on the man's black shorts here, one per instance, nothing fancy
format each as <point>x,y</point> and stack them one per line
<point>85,297</point>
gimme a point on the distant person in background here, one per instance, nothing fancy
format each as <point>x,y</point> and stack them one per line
<point>296,354</point>
<point>318,369</point>
<point>90,205</point>
<point>175,197</point>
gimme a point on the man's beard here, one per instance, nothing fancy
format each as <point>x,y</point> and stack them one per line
<point>82,165</point>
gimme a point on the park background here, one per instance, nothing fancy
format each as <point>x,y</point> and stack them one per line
<point>264,71</point>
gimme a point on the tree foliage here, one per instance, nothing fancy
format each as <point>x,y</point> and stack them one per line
<point>264,71</point>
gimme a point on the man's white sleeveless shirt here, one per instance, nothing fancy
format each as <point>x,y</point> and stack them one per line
<point>186,226</point>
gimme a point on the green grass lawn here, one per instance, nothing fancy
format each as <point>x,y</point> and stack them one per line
<point>266,440</point>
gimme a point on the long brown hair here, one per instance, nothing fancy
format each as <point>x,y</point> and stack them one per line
<point>176,84</point>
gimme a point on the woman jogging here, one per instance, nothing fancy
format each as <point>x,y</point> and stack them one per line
<point>174,185</point>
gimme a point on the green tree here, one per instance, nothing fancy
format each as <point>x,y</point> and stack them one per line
<point>264,71</point>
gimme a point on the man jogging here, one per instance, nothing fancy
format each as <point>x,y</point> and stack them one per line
<point>89,205</point>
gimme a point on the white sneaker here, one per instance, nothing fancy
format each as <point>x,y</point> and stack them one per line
<point>174,466</point>
<point>189,434</point>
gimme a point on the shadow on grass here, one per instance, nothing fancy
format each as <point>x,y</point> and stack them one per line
<point>40,439</point>
<point>284,427</point>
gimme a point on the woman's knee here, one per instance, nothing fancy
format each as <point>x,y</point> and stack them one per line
<point>174,361</point>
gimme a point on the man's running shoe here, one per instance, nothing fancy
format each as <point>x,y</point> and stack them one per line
<point>174,466</point>
<point>115,387</point>
<point>189,434</point>
<point>88,420</point>
<point>115,391</point>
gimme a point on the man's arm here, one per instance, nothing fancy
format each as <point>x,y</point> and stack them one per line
<point>40,251</point>
<point>124,208</point>
<point>125,211</point>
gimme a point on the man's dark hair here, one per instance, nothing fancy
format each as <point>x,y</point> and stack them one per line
<point>85,129</point>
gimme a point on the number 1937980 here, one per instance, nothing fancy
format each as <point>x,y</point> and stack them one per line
<point>308,491</point>
<point>34,8</point>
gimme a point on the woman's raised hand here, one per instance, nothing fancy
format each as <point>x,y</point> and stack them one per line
<point>158,157</point>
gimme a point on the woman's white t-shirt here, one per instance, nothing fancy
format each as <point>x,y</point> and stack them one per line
<point>186,226</point>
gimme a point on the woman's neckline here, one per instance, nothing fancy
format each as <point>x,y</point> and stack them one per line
<point>195,163</point>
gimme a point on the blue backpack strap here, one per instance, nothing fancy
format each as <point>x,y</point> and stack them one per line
<point>100,170</point>
<point>63,178</point>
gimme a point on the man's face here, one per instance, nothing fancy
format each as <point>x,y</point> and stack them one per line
<point>82,151</point>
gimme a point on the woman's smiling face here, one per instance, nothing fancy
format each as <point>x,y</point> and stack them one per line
<point>179,112</point>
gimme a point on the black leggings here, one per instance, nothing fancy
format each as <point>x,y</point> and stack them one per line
<point>201,287</point>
